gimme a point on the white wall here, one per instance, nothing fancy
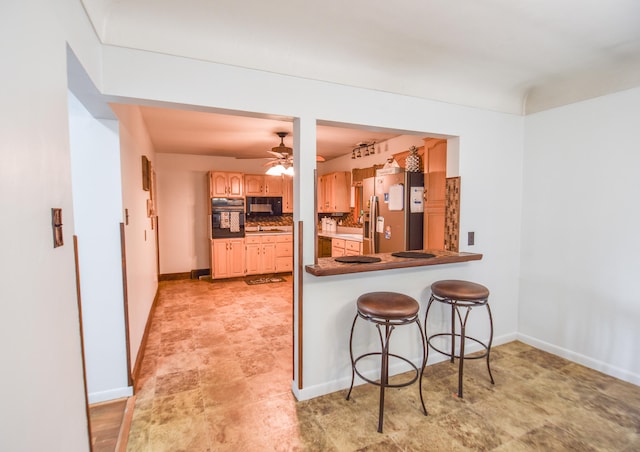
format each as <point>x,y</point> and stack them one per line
<point>41,383</point>
<point>97,204</point>
<point>140,238</point>
<point>580,291</point>
<point>183,195</point>
<point>38,309</point>
<point>490,167</point>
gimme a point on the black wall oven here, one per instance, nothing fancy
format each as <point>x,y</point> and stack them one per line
<point>227,218</point>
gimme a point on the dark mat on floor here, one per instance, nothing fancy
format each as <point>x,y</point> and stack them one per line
<point>264,280</point>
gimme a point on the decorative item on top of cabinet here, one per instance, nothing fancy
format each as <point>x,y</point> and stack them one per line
<point>227,258</point>
<point>225,185</point>
<point>334,192</point>
<point>412,162</point>
<point>262,185</point>
<point>405,156</point>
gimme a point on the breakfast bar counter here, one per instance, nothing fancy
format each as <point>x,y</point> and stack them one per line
<point>328,266</point>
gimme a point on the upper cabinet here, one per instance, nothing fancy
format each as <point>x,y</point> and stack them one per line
<point>287,194</point>
<point>334,192</point>
<point>263,185</point>
<point>224,184</point>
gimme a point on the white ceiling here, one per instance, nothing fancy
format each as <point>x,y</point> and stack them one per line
<point>204,133</point>
<point>515,56</point>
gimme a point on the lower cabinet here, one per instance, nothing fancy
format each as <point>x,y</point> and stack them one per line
<point>337,247</point>
<point>227,258</point>
<point>253,255</point>
<point>324,247</point>
<point>260,254</point>
<point>343,247</point>
<point>284,253</point>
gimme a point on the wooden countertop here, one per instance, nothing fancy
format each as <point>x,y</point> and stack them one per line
<point>327,266</point>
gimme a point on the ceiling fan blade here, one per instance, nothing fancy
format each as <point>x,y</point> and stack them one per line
<point>277,154</point>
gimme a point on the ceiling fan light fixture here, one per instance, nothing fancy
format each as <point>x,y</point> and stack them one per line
<point>276,170</point>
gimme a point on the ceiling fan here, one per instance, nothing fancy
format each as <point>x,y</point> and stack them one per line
<point>282,160</point>
<point>282,155</point>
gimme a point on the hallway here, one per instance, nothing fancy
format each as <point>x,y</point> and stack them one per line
<point>217,368</point>
<point>217,372</point>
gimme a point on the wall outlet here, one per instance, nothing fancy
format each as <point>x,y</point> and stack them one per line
<point>471,238</point>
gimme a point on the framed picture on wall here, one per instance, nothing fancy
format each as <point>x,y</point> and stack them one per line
<point>146,173</point>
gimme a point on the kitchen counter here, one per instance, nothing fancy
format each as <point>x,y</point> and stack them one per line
<point>265,231</point>
<point>328,266</point>
<point>340,235</point>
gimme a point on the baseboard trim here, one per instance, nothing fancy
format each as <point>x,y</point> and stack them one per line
<point>143,343</point>
<point>584,360</point>
<point>110,395</point>
<point>125,426</point>
<point>174,276</point>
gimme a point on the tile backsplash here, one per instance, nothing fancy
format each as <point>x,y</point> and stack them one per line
<point>284,220</point>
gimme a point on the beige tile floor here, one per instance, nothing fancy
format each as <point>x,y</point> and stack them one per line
<point>217,376</point>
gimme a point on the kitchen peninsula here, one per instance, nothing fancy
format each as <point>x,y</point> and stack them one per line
<point>328,266</point>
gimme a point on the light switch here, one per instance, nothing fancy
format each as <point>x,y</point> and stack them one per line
<point>471,238</point>
<point>56,224</point>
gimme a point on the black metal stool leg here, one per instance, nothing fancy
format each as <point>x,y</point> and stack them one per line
<point>453,331</point>
<point>490,341</point>
<point>424,364</point>
<point>426,336</point>
<point>353,364</point>
<point>384,370</point>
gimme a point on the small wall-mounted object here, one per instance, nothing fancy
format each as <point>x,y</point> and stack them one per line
<point>146,173</point>
<point>56,224</point>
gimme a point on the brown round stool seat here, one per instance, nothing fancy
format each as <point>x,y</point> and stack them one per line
<point>387,305</point>
<point>454,289</point>
<point>462,296</point>
<point>387,311</point>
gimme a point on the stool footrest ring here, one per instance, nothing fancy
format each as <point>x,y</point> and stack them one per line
<point>388,385</point>
<point>457,356</point>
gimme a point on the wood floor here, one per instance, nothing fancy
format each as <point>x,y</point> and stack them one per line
<point>217,373</point>
<point>106,421</point>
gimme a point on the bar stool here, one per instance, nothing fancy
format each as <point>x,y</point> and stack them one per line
<point>387,310</point>
<point>462,296</point>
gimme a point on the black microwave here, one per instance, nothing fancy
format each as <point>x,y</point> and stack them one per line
<point>265,206</point>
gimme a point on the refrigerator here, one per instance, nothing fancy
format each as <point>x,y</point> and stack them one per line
<point>393,212</point>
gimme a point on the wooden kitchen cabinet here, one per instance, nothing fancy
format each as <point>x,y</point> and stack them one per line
<point>262,185</point>
<point>343,247</point>
<point>337,247</point>
<point>435,182</point>
<point>260,254</point>
<point>224,184</point>
<point>352,248</point>
<point>324,247</point>
<point>284,253</point>
<point>227,258</point>
<point>334,192</point>
<point>287,194</point>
